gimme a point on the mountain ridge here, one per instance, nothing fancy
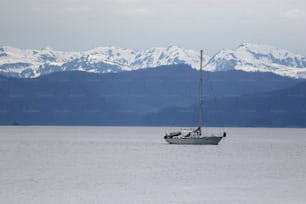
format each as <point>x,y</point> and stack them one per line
<point>259,58</point>
<point>149,97</point>
<point>249,57</point>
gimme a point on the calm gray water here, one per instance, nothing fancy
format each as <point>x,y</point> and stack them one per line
<point>133,165</point>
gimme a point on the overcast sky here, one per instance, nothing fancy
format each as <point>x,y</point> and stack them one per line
<point>140,24</point>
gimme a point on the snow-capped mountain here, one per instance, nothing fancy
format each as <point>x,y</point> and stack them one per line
<point>259,58</point>
<point>247,57</point>
<point>128,59</point>
<point>33,63</point>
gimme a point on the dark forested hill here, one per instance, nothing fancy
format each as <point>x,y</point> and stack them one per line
<point>282,108</point>
<point>147,97</point>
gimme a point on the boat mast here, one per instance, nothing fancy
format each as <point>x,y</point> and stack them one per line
<point>201,93</point>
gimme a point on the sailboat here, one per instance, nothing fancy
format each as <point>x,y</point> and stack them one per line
<point>194,136</point>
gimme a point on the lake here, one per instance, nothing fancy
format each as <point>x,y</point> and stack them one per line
<point>134,165</point>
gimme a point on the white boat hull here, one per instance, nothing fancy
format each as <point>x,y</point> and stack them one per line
<point>206,140</point>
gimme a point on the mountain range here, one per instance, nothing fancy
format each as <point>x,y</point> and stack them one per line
<point>248,57</point>
<point>166,95</point>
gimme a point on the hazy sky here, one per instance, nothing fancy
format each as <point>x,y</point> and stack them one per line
<point>140,24</point>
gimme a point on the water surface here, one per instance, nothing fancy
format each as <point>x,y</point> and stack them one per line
<point>134,165</point>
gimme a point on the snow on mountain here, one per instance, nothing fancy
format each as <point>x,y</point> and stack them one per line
<point>33,63</point>
<point>129,59</point>
<point>259,58</point>
<point>247,57</point>
<point>164,56</point>
<point>119,57</point>
<point>30,63</point>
